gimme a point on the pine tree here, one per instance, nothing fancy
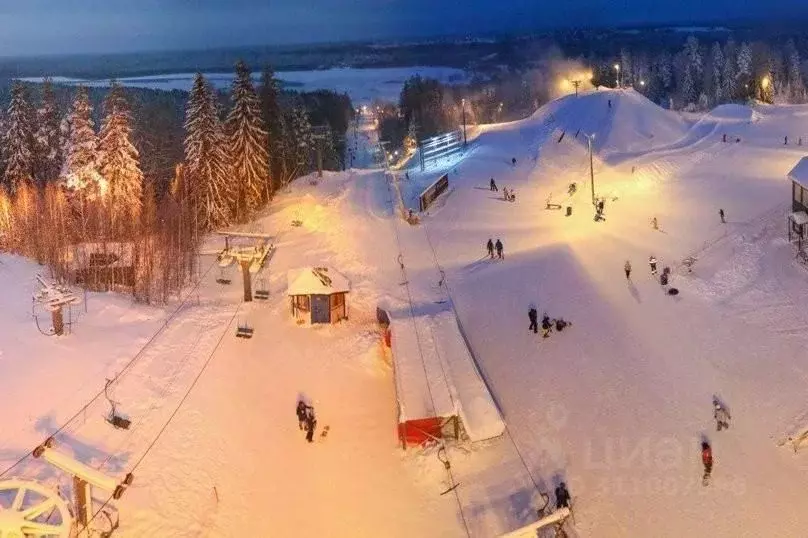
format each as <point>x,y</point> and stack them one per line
<point>80,169</point>
<point>303,139</point>
<point>48,160</point>
<point>18,141</point>
<point>665,68</point>
<point>717,74</point>
<point>205,160</point>
<point>273,122</point>
<point>796,85</point>
<point>118,159</point>
<point>729,74</point>
<point>744,73</point>
<point>248,145</point>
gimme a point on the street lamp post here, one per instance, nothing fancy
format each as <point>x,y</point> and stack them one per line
<point>591,166</point>
<point>617,75</point>
<point>463,107</point>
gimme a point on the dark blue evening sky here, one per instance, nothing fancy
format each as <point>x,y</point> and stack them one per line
<point>67,26</point>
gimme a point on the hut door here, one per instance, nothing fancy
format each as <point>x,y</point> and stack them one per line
<point>320,309</point>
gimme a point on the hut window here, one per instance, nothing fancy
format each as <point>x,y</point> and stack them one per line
<point>337,300</point>
<point>302,302</point>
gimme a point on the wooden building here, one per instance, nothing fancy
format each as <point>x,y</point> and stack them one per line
<point>798,217</point>
<point>318,295</point>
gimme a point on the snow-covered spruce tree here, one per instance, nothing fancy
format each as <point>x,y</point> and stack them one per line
<point>80,170</point>
<point>205,160</point>
<point>247,140</point>
<point>744,73</point>
<point>48,161</point>
<point>18,141</point>
<point>271,113</point>
<point>118,160</point>
<point>717,73</point>
<point>795,83</point>
<point>730,73</point>
<point>303,139</point>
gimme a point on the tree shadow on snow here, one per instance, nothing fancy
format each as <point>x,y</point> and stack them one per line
<point>82,450</point>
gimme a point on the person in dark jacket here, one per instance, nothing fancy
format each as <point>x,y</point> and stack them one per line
<point>721,214</point>
<point>513,161</point>
<point>533,315</point>
<point>301,413</point>
<point>562,496</point>
<point>627,269</point>
<point>721,416</point>
<point>492,185</point>
<point>546,325</point>
<point>490,247</point>
<point>311,424</point>
<point>499,248</point>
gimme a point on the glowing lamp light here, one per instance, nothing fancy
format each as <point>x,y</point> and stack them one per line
<point>765,82</point>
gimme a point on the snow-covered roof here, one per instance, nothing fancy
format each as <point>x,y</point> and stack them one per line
<point>316,281</point>
<point>799,174</point>
<point>800,218</point>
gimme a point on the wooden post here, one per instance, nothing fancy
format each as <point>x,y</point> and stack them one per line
<point>247,278</point>
<point>58,321</point>
<point>83,501</point>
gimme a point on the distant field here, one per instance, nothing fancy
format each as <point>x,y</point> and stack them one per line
<point>363,85</point>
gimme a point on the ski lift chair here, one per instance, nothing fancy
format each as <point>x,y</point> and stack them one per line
<point>244,331</point>
<point>222,278</point>
<point>118,421</point>
<point>262,293</point>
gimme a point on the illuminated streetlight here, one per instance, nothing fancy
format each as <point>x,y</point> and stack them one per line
<point>617,75</point>
<point>589,139</point>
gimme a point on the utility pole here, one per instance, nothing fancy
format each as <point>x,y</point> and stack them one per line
<point>576,83</point>
<point>319,133</point>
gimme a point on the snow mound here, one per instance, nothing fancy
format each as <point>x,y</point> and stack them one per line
<point>631,123</point>
<point>733,113</point>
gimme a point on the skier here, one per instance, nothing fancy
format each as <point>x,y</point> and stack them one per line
<point>799,142</point>
<point>407,176</point>
<point>652,262</point>
<point>601,203</point>
<point>490,247</point>
<point>654,223</point>
<point>785,142</point>
<point>724,139</point>
<point>663,279</point>
<point>707,460</point>
<point>301,413</point>
<point>533,315</point>
<point>546,325</point>
<point>721,416</point>
<point>610,103</point>
<point>499,248</point>
<point>505,194</point>
<point>627,269</point>
<point>562,496</point>
<point>560,323</point>
<point>721,214</point>
<point>513,161</point>
<point>493,185</point>
<point>311,424</point>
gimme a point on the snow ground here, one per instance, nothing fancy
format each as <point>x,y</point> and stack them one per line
<point>616,405</point>
<point>363,84</point>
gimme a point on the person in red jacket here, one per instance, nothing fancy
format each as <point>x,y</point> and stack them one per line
<point>707,458</point>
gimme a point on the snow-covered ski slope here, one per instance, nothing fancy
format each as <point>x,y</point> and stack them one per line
<point>616,405</point>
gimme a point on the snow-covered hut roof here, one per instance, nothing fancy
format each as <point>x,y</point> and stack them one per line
<point>316,281</point>
<point>799,174</point>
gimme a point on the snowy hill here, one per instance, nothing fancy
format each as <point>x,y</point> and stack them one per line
<point>616,405</point>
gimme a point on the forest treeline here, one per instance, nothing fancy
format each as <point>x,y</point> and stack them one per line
<point>113,188</point>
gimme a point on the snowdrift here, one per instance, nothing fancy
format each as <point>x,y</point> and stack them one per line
<point>732,113</point>
<point>631,123</point>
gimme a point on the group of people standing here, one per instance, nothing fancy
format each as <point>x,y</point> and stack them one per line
<point>509,195</point>
<point>491,246</point>
<point>547,324</point>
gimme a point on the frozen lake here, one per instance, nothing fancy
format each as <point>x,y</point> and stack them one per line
<point>363,85</point>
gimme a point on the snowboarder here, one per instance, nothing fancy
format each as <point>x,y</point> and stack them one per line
<point>562,496</point>
<point>785,142</point>
<point>513,161</point>
<point>560,324</point>
<point>610,103</point>
<point>663,279</point>
<point>499,248</point>
<point>311,424</point>
<point>301,413</point>
<point>493,185</point>
<point>545,325</point>
<point>533,316</point>
<point>707,460</point>
<point>724,139</point>
<point>721,416</point>
<point>627,269</point>
<point>654,223</point>
<point>601,203</point>
<point>490,247</point>
<point>505,194</point>
<point>652,263</point>
<point>721,214</point>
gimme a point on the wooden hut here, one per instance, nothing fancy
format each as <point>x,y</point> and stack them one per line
<point>318,295</point>
<point>798,218</point>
